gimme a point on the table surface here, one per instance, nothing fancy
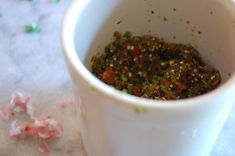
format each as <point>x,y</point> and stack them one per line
<point>34,65</point>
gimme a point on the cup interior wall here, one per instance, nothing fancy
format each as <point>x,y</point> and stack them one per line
<point>208,25</point>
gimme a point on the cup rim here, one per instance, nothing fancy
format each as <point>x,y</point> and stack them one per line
<point>67,41</point>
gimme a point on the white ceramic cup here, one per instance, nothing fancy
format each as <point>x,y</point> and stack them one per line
<point>117,124</point>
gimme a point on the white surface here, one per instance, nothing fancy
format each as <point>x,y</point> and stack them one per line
<point>33,64</point>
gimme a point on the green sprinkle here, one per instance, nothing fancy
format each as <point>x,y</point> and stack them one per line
<point>140,110</point>
<point>32,28</point>
<point>55,1</point>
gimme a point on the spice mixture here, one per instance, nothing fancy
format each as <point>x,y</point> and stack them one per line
<point>149,67</point>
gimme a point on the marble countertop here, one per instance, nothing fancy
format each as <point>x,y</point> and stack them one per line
<point>34,64</point>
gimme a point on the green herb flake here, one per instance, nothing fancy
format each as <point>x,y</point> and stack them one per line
<point>32,28</point>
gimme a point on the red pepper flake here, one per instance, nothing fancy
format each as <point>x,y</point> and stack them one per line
<point>165,82</point>
<point>172,46</point>
<point>174,37</point>
<point>137,90</point>
<point>181,86</point>
<point>136,52</point>
<point>108,76</point>
<point>168,97</point>
<point>142,60</point>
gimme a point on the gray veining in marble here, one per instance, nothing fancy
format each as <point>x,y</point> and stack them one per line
<point>33,64</point>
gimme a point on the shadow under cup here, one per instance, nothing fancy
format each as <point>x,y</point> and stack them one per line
<point>110,126</point>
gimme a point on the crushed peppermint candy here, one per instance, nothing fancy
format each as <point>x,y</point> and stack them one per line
<point>18,103</point>
<point>42,128</point>
<point>7,113</point>
<point>15,129</point>
<point>44,148</point>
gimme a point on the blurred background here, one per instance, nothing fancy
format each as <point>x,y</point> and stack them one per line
<point>31,61</point>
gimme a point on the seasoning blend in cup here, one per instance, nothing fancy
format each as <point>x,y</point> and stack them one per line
<point>118,124</point>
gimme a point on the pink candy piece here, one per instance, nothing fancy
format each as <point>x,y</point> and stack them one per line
<point>43,148</point>
<point>18,103</point>
<point>41,128</point>
<point>18,100</point>
<point>44,128</point>
<point>7,113</point>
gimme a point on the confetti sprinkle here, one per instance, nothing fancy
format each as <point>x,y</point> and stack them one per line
<point>32,28</point>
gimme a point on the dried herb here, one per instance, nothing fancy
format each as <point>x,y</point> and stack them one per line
<point>149,67</point>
